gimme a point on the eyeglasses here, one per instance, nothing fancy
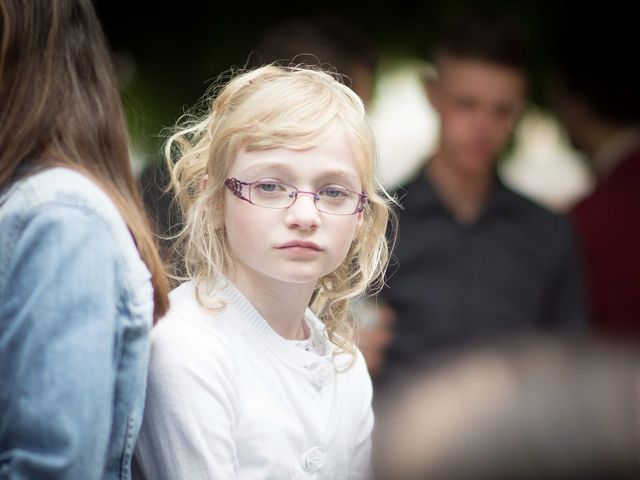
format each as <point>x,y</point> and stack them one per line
<point>334,200</point>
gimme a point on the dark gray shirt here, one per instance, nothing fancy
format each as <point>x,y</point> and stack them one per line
<point>514,269</point>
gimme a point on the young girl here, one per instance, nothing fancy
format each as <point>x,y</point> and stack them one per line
<point>282,213</point>
<point>78,265</point>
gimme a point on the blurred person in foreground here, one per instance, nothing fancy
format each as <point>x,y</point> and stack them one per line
<point>535,408</point>
<point>475,259</point>
<point>598,102</point>
<point>78,264</point>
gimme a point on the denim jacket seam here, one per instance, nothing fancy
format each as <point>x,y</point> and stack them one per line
<point>127,454</point>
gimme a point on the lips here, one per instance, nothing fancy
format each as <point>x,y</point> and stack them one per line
<point>301,244</point>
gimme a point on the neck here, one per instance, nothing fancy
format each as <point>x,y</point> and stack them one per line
<point>281,304</point>
<point>464,194</point>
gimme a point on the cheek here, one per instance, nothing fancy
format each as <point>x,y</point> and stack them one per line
<point>455,124</point>
<point>348,235</point>
<point>243,229</point>
<point>502,131</point>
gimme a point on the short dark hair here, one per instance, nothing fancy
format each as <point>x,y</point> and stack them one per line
<point>325,39</point>
<point>482,35</point>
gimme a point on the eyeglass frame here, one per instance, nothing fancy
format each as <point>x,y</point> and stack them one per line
<point>235,186</point>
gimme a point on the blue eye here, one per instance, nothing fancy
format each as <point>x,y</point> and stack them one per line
<point>269,187</point>
<point>334,193</point>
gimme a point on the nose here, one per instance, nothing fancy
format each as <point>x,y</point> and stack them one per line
<point>303,213</point>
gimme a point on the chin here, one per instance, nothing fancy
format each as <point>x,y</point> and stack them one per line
<point>299,277</point>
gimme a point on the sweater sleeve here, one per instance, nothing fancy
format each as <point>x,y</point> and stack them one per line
<point>191,408</point>
<point>361,460</point>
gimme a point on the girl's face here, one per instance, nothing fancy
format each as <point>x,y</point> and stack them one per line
<point>298,244</point>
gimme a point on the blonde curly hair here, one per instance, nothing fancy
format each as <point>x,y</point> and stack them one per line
<point>295,107</point>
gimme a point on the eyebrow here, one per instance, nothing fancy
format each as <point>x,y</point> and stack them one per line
<point>337,172</point>
<point>267,166</point>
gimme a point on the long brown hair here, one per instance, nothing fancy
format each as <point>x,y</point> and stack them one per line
<point>60,105</point>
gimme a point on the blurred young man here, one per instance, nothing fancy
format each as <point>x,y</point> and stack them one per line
<point>475,259</point>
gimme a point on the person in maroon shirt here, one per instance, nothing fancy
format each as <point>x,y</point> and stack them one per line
<point>596,98</point>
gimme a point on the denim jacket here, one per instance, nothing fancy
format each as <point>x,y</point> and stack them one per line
<point>76,305</point>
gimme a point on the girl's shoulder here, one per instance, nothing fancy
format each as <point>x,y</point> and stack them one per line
<point>190,335</point>
<point>63,204</point>
<point>60,186</point>
<point>190,312</point>
<point>60,192</point>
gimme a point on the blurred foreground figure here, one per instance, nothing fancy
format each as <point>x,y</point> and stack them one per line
<point>536,408</point>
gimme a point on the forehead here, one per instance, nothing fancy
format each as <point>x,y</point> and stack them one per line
<point>332,157</point>
<point>481,80</point>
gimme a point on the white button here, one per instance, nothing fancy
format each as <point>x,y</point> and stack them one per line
<point>321,373</point>
<point>314,459</point>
